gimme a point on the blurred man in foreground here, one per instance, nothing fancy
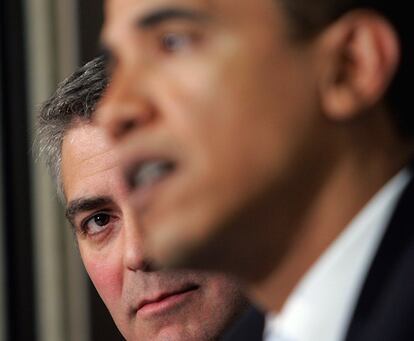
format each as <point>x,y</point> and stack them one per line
<point>145,303</point>
<point>271,139</point>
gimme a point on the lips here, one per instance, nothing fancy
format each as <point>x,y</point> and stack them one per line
<point>164,301</point>
<point>146,173</point>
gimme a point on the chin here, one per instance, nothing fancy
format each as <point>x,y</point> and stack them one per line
<point>171,333</point>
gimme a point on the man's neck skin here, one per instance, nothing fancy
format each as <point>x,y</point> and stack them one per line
<point>368,160</point>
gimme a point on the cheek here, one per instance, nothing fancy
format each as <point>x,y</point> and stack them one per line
<point>106,274</point>
<point>192,89</point>
<point>223,295</point>
<point>222,97</point>
<point>223,298</point>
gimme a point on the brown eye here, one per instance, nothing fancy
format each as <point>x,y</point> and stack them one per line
<point>97,223</point>
<point>101,219</point>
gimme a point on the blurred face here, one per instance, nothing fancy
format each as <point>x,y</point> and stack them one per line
<point>146,304</point>
<point>213,108</point>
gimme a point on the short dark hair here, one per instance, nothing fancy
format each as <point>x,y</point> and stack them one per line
<point>308,18</point>
<point>74,99</point>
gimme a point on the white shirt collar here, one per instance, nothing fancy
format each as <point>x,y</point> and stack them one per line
<point>320,307</point>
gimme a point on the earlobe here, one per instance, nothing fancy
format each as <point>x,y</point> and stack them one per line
<point>363,59</point>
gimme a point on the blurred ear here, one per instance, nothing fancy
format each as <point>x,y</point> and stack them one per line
<point>361,55</point>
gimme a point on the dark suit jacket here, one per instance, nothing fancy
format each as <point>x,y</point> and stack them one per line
<point>247,328</point>
<point>385,308</point>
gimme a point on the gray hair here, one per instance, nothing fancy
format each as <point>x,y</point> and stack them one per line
<point>74,100</point>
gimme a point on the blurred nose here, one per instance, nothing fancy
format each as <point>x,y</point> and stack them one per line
<point>134,256</point>
<point>124,108</point>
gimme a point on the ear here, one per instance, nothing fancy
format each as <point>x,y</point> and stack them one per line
<point>361,54</point>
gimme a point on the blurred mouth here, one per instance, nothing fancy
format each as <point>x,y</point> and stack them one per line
<point>146,175</point>
<point>164,302</point>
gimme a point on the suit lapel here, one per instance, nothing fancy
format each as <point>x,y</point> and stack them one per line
<point>385,308</point>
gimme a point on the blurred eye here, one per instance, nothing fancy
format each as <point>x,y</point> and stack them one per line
<point>96,223</point>
<point>173,42</point>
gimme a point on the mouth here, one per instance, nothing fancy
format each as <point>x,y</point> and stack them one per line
<point>165,301</point>
<point>147,173</point>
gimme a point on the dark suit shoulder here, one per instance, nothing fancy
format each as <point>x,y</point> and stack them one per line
<point>249,327</point>
<point>385,308</point>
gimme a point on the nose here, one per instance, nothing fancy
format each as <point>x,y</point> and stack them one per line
<point>123,108</point>
<point>134,257</point>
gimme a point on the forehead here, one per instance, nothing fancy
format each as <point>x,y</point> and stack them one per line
<point>127,11</point>
<point>89,164</point>
<point>122,14</point>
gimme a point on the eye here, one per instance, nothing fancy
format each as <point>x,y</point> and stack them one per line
<point>96,224</point>
<point>174,42</point>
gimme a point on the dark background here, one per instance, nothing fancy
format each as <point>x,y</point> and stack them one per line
<point>15,180</point>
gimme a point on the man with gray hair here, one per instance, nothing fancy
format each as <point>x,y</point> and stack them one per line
<point>145,303</point>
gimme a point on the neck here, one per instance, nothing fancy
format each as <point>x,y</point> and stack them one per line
<point>353,180</point>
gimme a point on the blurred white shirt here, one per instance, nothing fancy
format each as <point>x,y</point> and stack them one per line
<point>321,305</point>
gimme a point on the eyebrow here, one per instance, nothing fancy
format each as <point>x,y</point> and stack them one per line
<point>85,205</point>
<point>158,16</point>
